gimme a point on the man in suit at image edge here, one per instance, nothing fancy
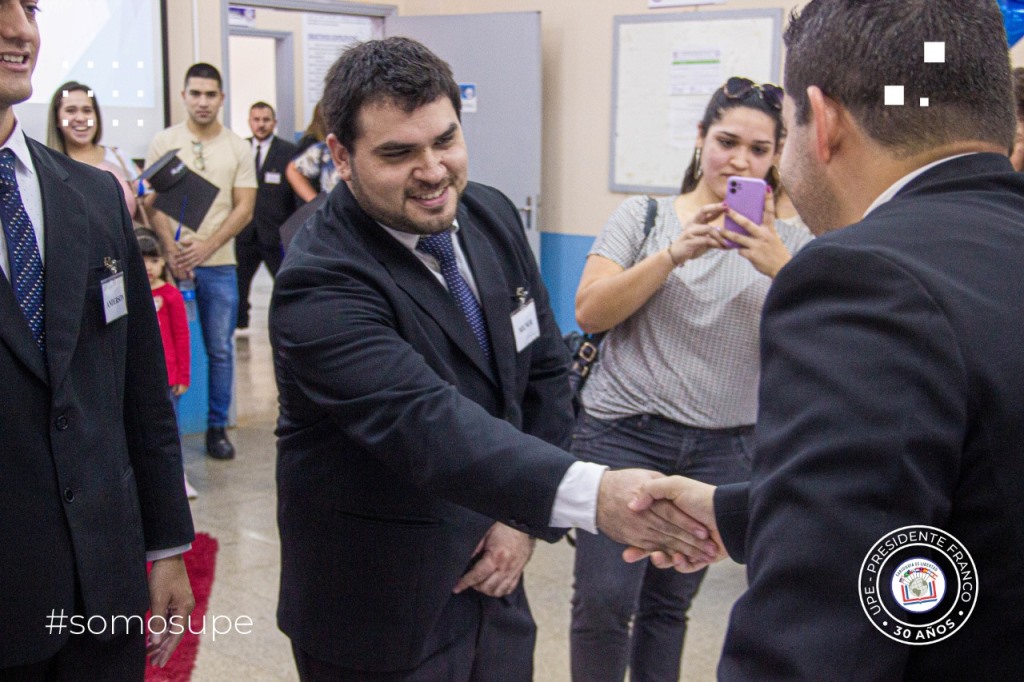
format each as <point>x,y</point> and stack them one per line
<point>891,385</point>
<point>90,462</point>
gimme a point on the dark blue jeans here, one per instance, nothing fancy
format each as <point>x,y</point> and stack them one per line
<point>608,591</point>
<point>217,301</point>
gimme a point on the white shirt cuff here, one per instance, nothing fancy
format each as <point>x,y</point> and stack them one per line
<point>576,499</point>
<point>158,554</point>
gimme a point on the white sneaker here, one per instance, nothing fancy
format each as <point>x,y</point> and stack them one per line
<point>191,492</point>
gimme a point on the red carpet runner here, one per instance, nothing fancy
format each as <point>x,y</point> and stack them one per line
<point>200,562</point>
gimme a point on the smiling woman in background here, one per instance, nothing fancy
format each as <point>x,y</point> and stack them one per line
<point>74,127</point>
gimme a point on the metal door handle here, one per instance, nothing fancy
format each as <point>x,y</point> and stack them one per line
<point>527,212</point>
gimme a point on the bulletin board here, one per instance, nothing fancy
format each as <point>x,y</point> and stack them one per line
<point>664,70</point>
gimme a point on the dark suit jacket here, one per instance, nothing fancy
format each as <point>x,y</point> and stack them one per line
<point>275,201</point>
<point>399,444</point>
<point>892,394</point>
<point>90,464</point>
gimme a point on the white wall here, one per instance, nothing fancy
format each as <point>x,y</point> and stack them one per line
<point>251,77</point>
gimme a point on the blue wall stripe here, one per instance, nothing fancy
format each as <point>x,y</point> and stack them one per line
<point>561,264</point>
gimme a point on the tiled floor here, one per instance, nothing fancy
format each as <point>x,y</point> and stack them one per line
<point>237,507</point>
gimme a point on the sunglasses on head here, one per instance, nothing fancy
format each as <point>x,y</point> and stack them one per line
<point>740,88</point>
<point>197,150</point>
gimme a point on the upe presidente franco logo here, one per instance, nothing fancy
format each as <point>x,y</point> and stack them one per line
<point>918,585</point>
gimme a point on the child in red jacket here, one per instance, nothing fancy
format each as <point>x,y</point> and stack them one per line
<point>170,312</point>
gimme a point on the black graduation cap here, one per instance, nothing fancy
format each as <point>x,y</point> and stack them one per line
<point>181,194</point>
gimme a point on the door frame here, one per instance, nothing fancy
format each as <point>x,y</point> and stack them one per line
<point>285,47</point>
<point>284,67</point>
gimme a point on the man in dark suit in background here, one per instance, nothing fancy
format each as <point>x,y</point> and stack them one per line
<point>260,240</point>
<point>892,385</point>
<point>424,394</point>
<point>91,485</point>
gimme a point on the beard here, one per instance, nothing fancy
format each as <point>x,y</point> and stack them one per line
<point>398,219</point>
<point>814,197</point>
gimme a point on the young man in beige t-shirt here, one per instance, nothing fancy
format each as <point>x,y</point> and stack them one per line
<point>207,255</point>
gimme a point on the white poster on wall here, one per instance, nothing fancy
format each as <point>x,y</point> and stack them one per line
<point>324,37</point>
<point>695,70</point>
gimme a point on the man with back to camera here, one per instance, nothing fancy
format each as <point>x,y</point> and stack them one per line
<point>260,241</point>
<point>891,373</point>
<point>207,255</point>
<point>90,461</point>
<point>424,394</point>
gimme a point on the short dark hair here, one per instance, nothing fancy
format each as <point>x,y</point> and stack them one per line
<point>1018,91</point>
<point>717,106</point>
<point>149,243</point>
<point>204,70</point>
<point>851,49</point>
<point>54,129</point>
<point>396,70</point>
<point>263,105</point>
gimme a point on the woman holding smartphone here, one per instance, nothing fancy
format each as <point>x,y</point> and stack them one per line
<point>675,386</point>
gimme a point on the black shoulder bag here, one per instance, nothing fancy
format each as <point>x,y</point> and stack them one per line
<point>584,347</point>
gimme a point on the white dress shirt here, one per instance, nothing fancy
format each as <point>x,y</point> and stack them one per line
<point>260,149</point>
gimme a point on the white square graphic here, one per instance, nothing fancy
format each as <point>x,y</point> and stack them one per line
<point>924,101</point>
<point>115,123</point>
<point>935,53</point>
<point>142,122</point>
<point>894,95</point>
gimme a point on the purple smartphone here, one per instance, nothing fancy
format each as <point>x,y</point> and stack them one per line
<point>746,197</point>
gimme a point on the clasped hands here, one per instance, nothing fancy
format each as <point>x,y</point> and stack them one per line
<point>669,519</point>
<point>190,254</point>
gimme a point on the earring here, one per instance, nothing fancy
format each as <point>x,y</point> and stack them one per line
<point>697,170</point>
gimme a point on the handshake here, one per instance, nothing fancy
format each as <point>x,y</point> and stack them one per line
<point>669,519</point>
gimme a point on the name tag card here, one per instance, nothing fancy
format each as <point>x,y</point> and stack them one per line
<point>525,325</point>
<point>115,305</point>
<point>272,178</point>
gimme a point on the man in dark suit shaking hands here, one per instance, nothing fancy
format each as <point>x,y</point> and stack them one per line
<point>91,483</point>
<point>260,240</point>
<point>424,398</point>
<point>885,508</point>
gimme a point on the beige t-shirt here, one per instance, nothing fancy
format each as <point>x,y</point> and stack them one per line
<point>228,162</point>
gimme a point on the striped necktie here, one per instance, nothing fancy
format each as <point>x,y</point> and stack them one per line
<point>440,247</point>
<point>26,266</point>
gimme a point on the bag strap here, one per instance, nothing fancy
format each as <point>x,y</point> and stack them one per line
<point>593,340</point>
<point>649,219</point>
<point>652,215</point>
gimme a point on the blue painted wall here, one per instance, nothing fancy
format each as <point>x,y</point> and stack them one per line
<point>192,405</point>
<point>561,264</point>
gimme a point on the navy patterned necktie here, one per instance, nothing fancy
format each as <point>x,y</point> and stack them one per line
<point>440,247</point>
<point>26,267</point>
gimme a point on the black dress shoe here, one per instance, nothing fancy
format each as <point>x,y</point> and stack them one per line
<point>217,444</point>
